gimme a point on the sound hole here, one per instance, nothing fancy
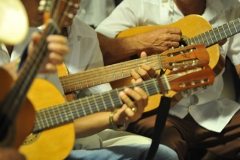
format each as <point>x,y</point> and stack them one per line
<point>5,122</point>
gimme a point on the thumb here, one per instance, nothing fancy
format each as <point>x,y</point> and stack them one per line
<point>143,54</point>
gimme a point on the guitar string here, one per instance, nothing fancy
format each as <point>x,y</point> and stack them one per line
<point>96,100</point>
<point>25,83</point>
<point>21,86</point>
<point>108,100</point>
<point>70,81</point>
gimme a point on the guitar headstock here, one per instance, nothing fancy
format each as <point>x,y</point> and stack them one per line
<point>190,77</point>
<point>184,56</point>
<point>60,11</point>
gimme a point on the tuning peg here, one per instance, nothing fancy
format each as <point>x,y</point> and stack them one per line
<point>183,85</point>
<point>202,81</point>
<point>175,68</point>
<point>42,5</point>
<point>195,89</point>
<point>203,88</point>
<point>185,93</point>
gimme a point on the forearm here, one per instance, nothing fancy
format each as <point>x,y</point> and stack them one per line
<point>238,70</point>
<point>116,49</point>
<point>91,124</point>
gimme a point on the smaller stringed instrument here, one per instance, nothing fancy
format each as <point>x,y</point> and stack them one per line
<point>53,122</point>
<point>15,109</point>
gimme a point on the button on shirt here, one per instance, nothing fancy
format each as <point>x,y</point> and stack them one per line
<point>209,109</point>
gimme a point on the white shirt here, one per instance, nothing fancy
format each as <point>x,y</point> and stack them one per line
<point>17,52</point>
<point>210,110</point>
<point>84,52</point>
<point>92,12</point>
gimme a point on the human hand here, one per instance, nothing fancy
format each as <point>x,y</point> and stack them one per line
<point>134,103</point>
<point>57,45</point>
<point>10,154</point>
<point>160,40</point>
<point>144,72</point>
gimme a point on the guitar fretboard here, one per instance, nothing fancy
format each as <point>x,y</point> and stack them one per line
<point>216,35</point>
<point>107,74</point>
<point>17,94</point>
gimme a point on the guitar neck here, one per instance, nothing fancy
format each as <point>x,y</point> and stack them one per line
<point>60,114</point>
<point>107,74</point>
<point>216,35</point>
<point>17,94</point>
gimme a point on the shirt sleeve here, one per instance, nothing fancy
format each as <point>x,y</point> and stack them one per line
<point>126,15</point>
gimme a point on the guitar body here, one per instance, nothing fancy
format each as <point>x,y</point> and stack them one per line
<point>55,143</point>
<point>63,71</point>
<point>190,26</point>
<point>24,122</point>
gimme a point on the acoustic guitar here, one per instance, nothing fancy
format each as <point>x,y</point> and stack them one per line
<point>17,115</point>
<point>49,133</point>
<point>172,59</point>
<point>195,29</point>
<point>16,121</point>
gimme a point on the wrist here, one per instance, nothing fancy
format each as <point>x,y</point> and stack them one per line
<point>113,124</point>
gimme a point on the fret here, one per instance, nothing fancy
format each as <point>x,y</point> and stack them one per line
<point>90,106</point>
<point>39,119</point>
<point>53,116</point>
<point>195,42</point>
<point>95,103</point>
<point>237,24</point>
<point>81,103</point>
<point>188,41</point>
<point>160,61</point>
<point>111,99</point>
<point>226,30</point>
<point>76,109</point>
<point>201,35</point>
<point>45,118</point>
<point>157,87</point>
<point>233,27</point>
<point>64,114</point>
<point>146,89</point>
<point>58,108</point>
<point>214,37</point>
<point>98,75</point>
<point>93,79</point>
<point>230,31</point>
<point>210,35</point>
<point>217,33</point>
<point>207,37</point>
<point>104,104</point>
<point>222,33</point>
<point>137,64</point>
<point>119,99</point>
<point>147,59</point>
<point>198,39</point>
<point>113,73</point>
<point>122,74</point>
<point>69,113</point>
<point>105,75</point>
